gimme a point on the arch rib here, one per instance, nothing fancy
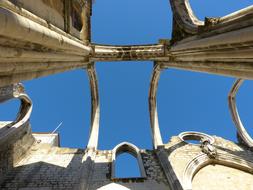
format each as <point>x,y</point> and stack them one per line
<point>25,110</point>
<point>242,132</point>
<point>95,108</point>
<point>156,134</point>
<point>203,160</point>
<point>185,19</point>
<point>184,16</point>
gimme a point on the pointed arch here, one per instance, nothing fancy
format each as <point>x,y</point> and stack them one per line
<point>95,108</point>
<point>203,160</point>
<point>126,147</point>
<point>154,122</point>
<point>242,132</point>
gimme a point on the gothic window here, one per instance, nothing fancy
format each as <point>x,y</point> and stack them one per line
<point>131,149</point>
<point>126,166</point>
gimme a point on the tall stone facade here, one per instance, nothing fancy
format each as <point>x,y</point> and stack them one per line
<point>43,37</point>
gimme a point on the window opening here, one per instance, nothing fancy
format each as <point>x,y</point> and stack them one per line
<point>126,166</point>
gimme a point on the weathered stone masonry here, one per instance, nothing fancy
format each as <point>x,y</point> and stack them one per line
<point>44,37</point>
<point>51,167</point>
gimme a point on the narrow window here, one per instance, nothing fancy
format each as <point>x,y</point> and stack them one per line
<point>76,16</point>
<point>126,166</point>
<point>127,162</point>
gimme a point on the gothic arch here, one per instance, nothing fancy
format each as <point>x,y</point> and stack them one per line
<point>242,132</point>
<point>95,108</point>
<point>131,149</point>
<point>203,160</point>
<point>185,19</point>
<point>154,121</point>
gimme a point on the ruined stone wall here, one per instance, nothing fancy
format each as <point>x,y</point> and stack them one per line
<point>178,165</point>
<point>50,167</point>
<point>188,164</point>
<point>14,145</point>
<point>102,179</point>
<point>222,177</point>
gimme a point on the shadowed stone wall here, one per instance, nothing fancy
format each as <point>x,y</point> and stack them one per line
<point>177,165</point>
<point>48,167</point>
<point>14,145</point>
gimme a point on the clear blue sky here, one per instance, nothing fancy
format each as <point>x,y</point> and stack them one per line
<point>186,100</point>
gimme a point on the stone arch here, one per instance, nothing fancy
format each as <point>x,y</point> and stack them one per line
<point>95,108</point>
<point>242,132</point>
<point>187,23</point>
<point>128,148</point>
<point>154,121</point>
<point>16,91</point>
<point>203,160</point>
<point>193,135</point>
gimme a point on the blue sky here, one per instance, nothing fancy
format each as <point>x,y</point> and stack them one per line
<point>186,100</point>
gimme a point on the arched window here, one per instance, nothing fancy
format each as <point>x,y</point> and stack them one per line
<point>126,147</point>
<point>126,166</point>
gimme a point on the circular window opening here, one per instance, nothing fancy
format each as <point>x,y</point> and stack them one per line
<point>195,138</point>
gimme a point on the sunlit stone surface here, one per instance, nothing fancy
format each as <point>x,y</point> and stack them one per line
<point>44,37</point>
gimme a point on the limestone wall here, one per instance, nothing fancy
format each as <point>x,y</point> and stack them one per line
<point>178,166</point>
<point>101,178</point>
<point>48,167</point>
<point>189,167</point>
<point>214,177</point>
<point>55,12</point>
<point>13,147</point>
<point>51,11</point>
